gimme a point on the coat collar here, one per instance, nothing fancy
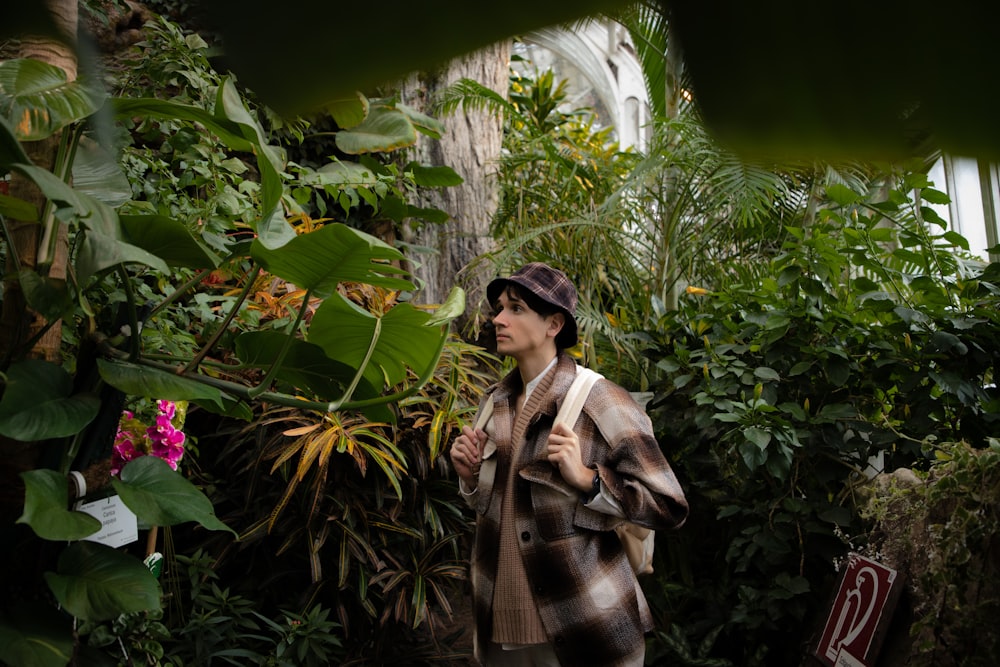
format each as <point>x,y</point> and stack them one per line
<point>565,370</point>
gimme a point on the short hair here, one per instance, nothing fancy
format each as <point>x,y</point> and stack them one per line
<point>538,305</point>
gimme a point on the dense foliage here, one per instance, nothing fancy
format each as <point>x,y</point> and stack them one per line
<point>832,328</point>
<point>198,273</point>
<point>864,342</point>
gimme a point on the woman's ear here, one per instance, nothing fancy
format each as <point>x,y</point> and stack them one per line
<point>556,322</point>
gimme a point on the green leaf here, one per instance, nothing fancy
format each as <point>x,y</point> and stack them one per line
<point>838,515</point>
<point>11,151</point>
<point>335,253</point>
<point>394,208</point>
<point>957,240</point>
<point>17,209</point>
<point>837,411</point>
<point>46,499</point>
<point>98,174</point>
<point>341,174</point>
<point>87,210</point>
<point>39,101</point>
<point>882,234</point>
<point>934,196</point>
<point>168,239</point>
<point>162,496</point>
<point>39,404</point>
<point>434,177</point>
<point>238,130</point>
<point>37,635</point>
<point>383,131</point>
<point>757,436</point>
<point>272,229</point>
<point>428,214</point>
<point>842,195</point>
<point>765,373</point>
<point>48,296</point>
<point>403,338</point>
<point>753,456</point>
<point>97,583</point>
<point>99,251</point>
<point>305,366</point>
<point>230,407</point>
<point>453,306</point>
<point>427,125</point>
<point>137,380</point>
<point>349,111</point>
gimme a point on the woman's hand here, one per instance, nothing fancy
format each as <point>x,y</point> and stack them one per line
<point>467,455</point>
<point>563,451</point>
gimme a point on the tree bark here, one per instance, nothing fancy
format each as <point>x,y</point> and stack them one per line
<point>18,324</point>
<point>471,146</point>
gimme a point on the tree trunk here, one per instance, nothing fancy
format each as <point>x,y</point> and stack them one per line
<point>471,146</point>
<point>18,324</point>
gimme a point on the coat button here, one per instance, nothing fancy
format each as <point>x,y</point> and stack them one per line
<point>539,589</point>
<point>526,536</point>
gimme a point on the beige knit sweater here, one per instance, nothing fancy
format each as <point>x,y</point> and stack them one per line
<point>515,614</point>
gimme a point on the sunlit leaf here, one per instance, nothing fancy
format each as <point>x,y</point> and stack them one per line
<point>401,338</point>
<point>384,130</point>
<point>348,111</point>
<point>425,124</point>
<point>38,99</point>
<point>335,253</point>
<point>340,174</point>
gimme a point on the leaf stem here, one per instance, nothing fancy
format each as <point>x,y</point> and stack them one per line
<point>218,333</point>
<point>272,372</point>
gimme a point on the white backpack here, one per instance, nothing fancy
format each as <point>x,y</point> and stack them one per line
<point>637,541</point>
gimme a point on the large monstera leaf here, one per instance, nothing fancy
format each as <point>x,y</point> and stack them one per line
<point>387,345</point>
<point>38,100</point>
<point>335,253</point>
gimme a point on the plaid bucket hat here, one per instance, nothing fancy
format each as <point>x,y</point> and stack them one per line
<point>548,284</point>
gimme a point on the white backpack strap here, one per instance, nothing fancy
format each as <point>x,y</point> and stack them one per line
<point>572,404</point>
<point>485,414</point>
<point>576,396</point>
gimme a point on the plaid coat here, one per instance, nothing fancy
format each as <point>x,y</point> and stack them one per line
<point>588,598</point>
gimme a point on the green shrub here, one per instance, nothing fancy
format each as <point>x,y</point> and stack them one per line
<point>865,338</point>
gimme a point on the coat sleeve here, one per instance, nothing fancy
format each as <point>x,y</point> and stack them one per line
<point>632,467</point>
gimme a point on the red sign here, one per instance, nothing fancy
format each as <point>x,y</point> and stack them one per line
<point>860,613</point>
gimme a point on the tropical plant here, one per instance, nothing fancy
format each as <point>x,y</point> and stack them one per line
<point>329,355</point>
<point>944,526</point>
<point>868,335</point>
<point>386,554</point>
